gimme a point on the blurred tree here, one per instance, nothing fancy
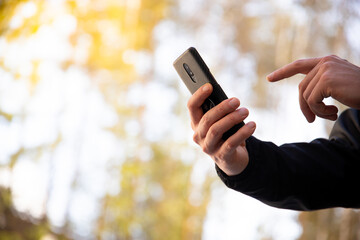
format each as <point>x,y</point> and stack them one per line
<point>155,201</point>
<point>17,225</point>
<point>318,28</point>
<point>275,33</point>
<point>330,224</point>
<point>156,198</point>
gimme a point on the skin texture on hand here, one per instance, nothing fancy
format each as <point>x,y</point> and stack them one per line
<point>328,76</point>
<point>231,155</point>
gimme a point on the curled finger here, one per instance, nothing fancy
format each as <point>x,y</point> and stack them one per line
<point>214,136</point>
<point>195,102</point>
<point>238,139</point>
<point>216,113</point>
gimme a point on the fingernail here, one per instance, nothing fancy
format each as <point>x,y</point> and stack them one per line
<point>243,111</point>
<point>233,103</point>
<point>206,88</point>
<point>251,124</point>
<point>270,76</point>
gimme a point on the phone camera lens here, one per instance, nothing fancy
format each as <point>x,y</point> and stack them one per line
<point>189,72</point>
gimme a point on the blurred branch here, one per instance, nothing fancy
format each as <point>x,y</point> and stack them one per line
<point>17,225</point>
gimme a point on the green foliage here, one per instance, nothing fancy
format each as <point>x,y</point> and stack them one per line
<point>153,202</point>
<point>16,225</point>
<point>116,27</point>
<point>155,199</point>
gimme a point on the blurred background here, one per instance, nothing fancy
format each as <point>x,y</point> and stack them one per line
<point>95,138</point>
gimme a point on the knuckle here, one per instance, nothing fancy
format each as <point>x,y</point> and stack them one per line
<point>326,66</point>
<point>214,132</point>
<point>301,87</point>
<point>305,96</point>
<point>206,120</point>
<point>311,101</point>
<point>221,155</point>
<point>205,148</point>
<point>229,145</point>
<point>330,58</point>
<point>298,63</point>
<point>190,104</point>
<point>325,77</point>
<point>196,138</point>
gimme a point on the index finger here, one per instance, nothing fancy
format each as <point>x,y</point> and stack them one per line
<point>196,100</point>
<point>303,66</point>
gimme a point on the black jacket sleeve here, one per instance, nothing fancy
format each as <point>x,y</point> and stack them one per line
<point>305,176</point>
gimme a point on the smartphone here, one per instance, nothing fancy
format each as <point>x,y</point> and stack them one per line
<point>194,73</point>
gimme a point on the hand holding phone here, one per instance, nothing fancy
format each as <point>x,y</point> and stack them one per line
<point>194,73</point>
<point>215,131</point>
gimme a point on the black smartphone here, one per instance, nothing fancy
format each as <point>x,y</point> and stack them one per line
<point>194,73</point>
